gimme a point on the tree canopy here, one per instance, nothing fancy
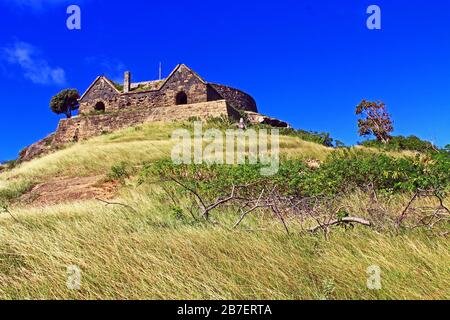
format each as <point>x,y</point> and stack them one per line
<point>374,120</point>
<point>65,102</point>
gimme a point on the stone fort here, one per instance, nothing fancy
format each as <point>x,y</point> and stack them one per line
<point>107,106</point>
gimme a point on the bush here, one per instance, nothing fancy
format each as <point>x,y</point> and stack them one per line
<point>400,143</point>
<point>347,170</point>
<point>323,138</point>
<point>119,172</point>
<point>343,171</point>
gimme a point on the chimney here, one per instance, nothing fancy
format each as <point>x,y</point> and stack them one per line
<point>127,82</point>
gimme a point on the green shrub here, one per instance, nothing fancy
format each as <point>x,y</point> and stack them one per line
<point>343,171</point>
<point>119,172</point>
<point>347,170</point>
<point>400,143</point>
<point>323,138</point>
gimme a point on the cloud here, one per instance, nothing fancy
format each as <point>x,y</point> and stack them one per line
<point>35,68</point>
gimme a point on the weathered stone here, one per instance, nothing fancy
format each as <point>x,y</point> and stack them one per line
<point>39,148</point>
<point>180,96</point>
<point>161,93</point>
<point>81,128</point>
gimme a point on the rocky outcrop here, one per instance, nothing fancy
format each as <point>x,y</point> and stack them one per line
<point>39,148</point>
<point>256,118</point>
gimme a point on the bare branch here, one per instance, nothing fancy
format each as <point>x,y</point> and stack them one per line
<point>108,203</point>
<point>250,210</point>
<point>339,221</point>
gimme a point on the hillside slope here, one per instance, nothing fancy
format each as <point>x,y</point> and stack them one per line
<point>130,243</point>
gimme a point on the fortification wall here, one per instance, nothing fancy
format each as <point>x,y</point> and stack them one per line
<point>236,98</point>
<point>182,81</point>
<point>84,127</point>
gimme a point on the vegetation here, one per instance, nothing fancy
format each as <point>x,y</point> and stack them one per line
<point>150,254</point>
<point>146,243</point>
<point>11,191</point>
<point>119,172</point>
<point>65,102</point>
<point>400,143</point>
<point>118,86</point>
<point>374,120</point>
<point>323,138</point>
<point>343,171</point>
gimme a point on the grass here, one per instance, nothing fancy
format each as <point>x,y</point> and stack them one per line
<point>12,190</point>
<point>152,253</point>
<point>149,254</point>
<point>134,146</point>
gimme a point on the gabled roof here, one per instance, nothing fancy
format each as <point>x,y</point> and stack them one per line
<point>189,69</point>
<point>95,81</point>
<point>146,86</point>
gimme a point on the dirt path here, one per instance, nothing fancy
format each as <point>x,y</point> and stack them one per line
<point>63,190</point>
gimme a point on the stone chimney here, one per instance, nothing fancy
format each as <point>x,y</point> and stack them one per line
<point>127,82</point>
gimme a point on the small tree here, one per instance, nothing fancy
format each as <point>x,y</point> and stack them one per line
<point>375,120</point>
<point>447,148</point>
<point>65,102</point>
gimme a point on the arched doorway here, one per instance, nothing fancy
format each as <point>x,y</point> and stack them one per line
<point>181,98</point>
<point>99,106</point>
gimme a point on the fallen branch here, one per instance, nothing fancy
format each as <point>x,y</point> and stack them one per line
<point>108,203</point>
<point>339,221</point>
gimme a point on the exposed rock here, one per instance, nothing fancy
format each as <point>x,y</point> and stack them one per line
<point>60,190</point>
<point>256,118</point>
<point>37,149</point>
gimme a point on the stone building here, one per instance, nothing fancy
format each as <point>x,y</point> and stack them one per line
<point>182,87</point>
<point>107,106</point>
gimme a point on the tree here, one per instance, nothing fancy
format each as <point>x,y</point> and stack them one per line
<point>65,102</point>
<point>374,120</point>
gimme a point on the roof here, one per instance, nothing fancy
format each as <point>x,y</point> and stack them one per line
<point>111,83</point>
<point>145,86</point>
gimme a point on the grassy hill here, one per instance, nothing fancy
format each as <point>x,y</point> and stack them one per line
<point>83,206</point>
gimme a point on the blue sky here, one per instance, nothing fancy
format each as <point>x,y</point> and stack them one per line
<point>309,62</point>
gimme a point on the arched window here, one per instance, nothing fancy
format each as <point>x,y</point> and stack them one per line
<point>100,106</point>
<point>181,98</point>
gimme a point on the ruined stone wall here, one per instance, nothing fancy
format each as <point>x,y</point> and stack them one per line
<point>188,82</point>
<point>236,98</point>
<point>80,128</point>
<point>101,91</point>
<point>182,80</point>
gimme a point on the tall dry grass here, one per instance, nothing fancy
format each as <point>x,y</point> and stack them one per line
<point>153,253</point>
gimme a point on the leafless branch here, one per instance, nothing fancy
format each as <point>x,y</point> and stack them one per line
<point>108,203</point>
<point>341,221</point>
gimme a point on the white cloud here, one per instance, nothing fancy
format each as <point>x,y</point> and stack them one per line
<point>33,65</point>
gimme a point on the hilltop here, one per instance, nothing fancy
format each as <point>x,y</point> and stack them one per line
<point>103,206</point>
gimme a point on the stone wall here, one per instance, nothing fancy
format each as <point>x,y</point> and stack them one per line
<point>84,127</point>
<point>236,98</point>
<point>163,94</point>
<point>101,91</point>
<point>183,80</point>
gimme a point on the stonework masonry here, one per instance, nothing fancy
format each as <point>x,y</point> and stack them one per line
<point>81,128</point>
<point>107,106</point>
